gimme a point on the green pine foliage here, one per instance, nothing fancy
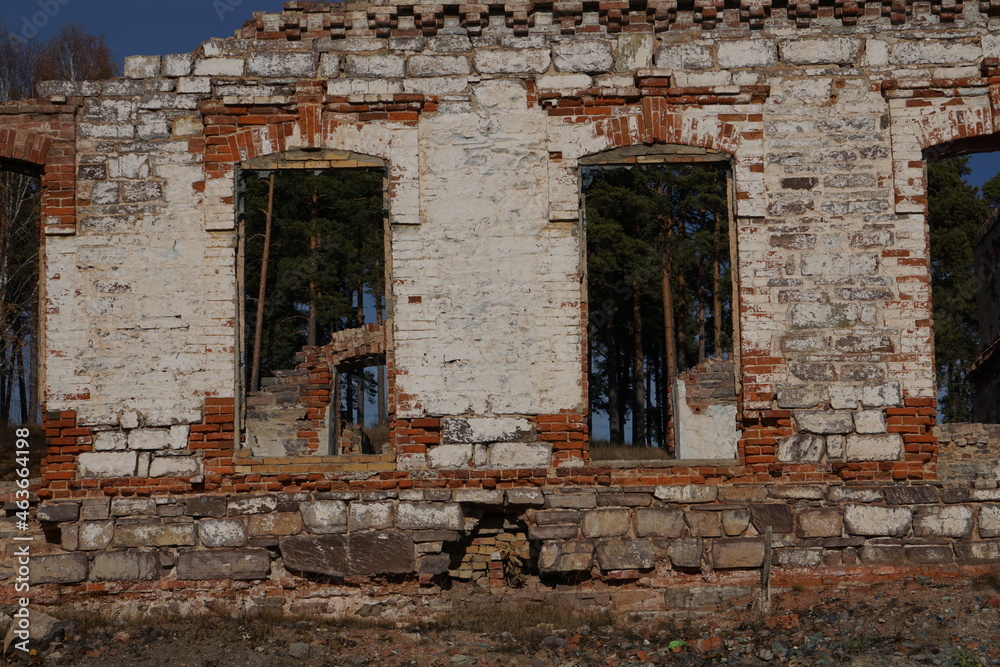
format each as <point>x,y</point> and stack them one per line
<point>327,257</point>
<point>637,219</point>
<point>955,212</point>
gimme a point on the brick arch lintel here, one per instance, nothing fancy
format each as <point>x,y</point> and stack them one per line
<point>925,117</point>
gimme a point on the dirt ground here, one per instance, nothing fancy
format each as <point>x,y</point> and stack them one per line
<point>914,622</point>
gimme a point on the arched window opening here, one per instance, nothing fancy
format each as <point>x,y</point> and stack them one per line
<point>660,293</point>
<point>313,357</point>
<point>963,227</point>
<point>20,193</point>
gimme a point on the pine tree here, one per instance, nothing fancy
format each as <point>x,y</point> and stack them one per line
<point>955,211</point>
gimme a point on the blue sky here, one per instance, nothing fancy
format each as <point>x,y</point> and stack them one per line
<point>136,27</point>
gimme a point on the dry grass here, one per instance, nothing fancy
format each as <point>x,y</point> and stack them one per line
<point>602,450</point>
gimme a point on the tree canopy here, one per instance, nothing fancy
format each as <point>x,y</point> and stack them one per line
<point>659,288</point>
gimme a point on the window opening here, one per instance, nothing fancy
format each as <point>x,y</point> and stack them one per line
<point>314,309</point>
<point>660,286</point>
<point>963,196</point>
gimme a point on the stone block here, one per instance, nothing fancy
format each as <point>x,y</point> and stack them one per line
<point>426,65</point>
<point>704,524</point>
<point>481,430</point>
<point>216,533</point>
<point>686,553</point>
<point>605,523</point>
<point>801,396</point>
<point>566,556</point>
<point>625,554</point>
<point>69,536</point>
<point>854,494</point>
<point>110,441</point>
<point>252,504</point>
<point>175,466</point>
<point>737,553</point>
<point>819,522</point>
<point>178,64</point>
<point>882,554</point>
<point>59,569</point>
<point>920,494</point>
<point>844,396</point>
<point>582,55</point>
<point>989,521</point>
<point>835,446</point>
<point>95,509</point>
<point>329,65</point>
<point>104,465</point>
<point>524,497</point>
<point>684,57</point>
<point>153,535</point>
<point>478,496</point>
<point>553,532</point>
<point>371,516</point>
<point>943,521</point>
<point>239,564</point>
<point>208,506</point>
<point>444,457</point>
<point>324,516</point>
<point>369,553</point>
<point>149,439</point>
<point>375,66</point>
<point>430,516</point>
<point>142,67</point>
<point>635,51</point>
<point>686,493</point>
<point>828,50</point>
<point>792,557</point>
<point>972,553</point>
<point>282,65</point>
<point>125,566</point>
<point>707,598</point>
<point>275,524</point>
<point>58,513</point>
<point>624,499</point>
<point>95,535</point>
<point>657,522</point>
<point>823,421</point>
<point>133,507</point>
<point>433,564</point>
<point>933,51</point>
<point>774,515</point>
<point>572,500</point>
<point>549,517</point>
<point>219,67</point>
<point>929,554</point>
<point>869,421</point>
<point>802,448</point>
<point>379,553</point>
<point>747,53</point>
<point>734,522</point>
<point>512,61</point>
<point>875,447</point>
<point>513,455</point>
<point>875,520</point>
<point>881,395</point>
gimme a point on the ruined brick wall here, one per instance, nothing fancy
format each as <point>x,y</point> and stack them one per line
<point>481,115</point>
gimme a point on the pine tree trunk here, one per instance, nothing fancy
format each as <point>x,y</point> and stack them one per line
<point>701,312</point>
<point>21,389</point>
<point>262,290</point>
<point>614,415</point>
<point>383,395</point>
<point>716,292</point>
<point>638,372</point>
<point>312,333</point>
